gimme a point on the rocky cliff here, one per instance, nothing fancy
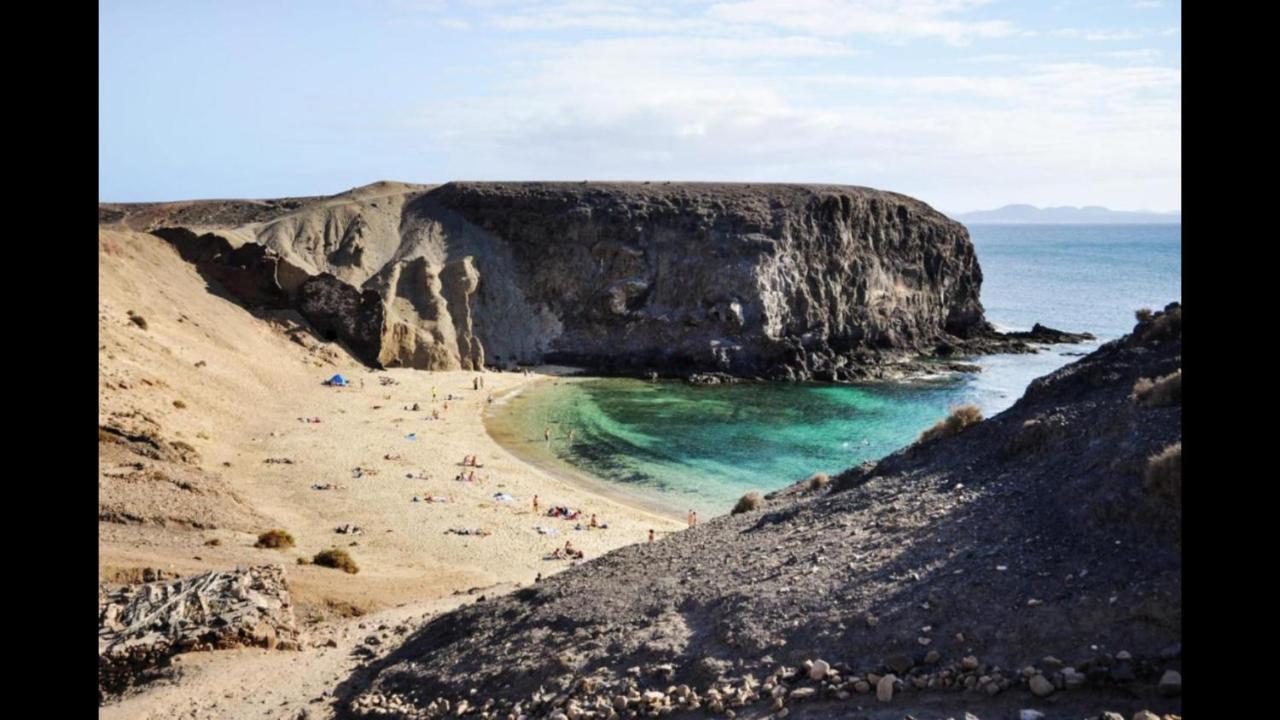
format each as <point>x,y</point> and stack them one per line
<point>777,281</point>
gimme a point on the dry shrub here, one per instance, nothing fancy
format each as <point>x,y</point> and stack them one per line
<point>749,502</point>
<point>1165,325</point>
<point>1164,474</point>
<point>819,481</point>
<point>961,417</point>
<point>336,558</point>
<point>139,321</point>
<point>215,542</point>
<point>179,404</point>
<point>1144,315</point>
<point>278,539</point>
<point>1159,392</point>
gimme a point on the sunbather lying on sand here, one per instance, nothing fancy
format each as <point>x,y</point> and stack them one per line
<point>468,531</point>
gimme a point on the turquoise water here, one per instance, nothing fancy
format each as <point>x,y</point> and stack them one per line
<point>702,447</point>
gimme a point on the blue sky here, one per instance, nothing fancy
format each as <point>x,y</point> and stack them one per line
<point>966,104</point>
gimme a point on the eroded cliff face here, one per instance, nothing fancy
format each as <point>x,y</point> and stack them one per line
<point>779,281</point>
<point>745,279</point>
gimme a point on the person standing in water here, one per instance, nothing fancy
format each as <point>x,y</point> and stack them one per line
<point>693,518</point>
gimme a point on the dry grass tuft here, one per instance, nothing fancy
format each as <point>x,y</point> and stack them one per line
<point>1160,392</point>
<point>1165,325</point>
<point>819,481</point>
<point>336,558</point>
<point>179,404</point>
<point>139,321</point>
<point>1164,474</point>
<point>961,417</point>
<point>278,539</point>
<point>748,503</point>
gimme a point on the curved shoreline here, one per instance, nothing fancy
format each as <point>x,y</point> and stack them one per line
<point>531,453</point>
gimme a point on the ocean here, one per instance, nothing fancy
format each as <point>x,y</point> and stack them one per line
<point>681,446</point>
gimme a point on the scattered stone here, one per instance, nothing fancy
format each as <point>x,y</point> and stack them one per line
<point>884,688</point>
<point>933,657</point>
<point>969,662</point>
<point>1145,715</point>
<point>819,670</point>
<point>1171,683</point>
<point>1124,656</point>
<point>1041,686</point>
<point>899,663</point>
<point>1028,714</point>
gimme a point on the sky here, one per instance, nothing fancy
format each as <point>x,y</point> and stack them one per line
<point>965,104</point>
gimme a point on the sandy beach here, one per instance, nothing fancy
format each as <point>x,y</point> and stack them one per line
<point>234,386</point>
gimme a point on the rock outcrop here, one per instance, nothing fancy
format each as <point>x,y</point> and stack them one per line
<point>140,627</point>
<point>776,281</point>
<point>1035,553</point>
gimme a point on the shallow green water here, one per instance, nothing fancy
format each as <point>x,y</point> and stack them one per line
<point>702,447</point>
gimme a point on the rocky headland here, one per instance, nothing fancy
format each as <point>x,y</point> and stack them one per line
<point>1028,564</point>
<point>701,280</point>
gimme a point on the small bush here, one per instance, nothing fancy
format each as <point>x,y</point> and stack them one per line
<point>303,561</point>
<point>749,502</point>
<point>336,558</point>
<point>819,481</point>
<point>1164,474</point>
<point>1165,325</point>
<point>278,539</point>
<point>1159,392</point>
<point>1144,315</point>
<point>179,404</point>
<point>961,417</point>
<point>215,542</point>
<point>139,321</point>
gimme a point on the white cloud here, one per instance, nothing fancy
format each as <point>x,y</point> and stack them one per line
<point>903,20</point>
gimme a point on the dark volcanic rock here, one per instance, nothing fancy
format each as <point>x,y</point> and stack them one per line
<point>734,278</point>
<point>1028,535</point>
<point>784,282</point>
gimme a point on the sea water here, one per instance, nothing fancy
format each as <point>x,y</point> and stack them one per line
<point>701,447</point>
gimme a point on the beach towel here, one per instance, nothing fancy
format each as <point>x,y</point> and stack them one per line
<point>503,497</point>
<point>545,530</point>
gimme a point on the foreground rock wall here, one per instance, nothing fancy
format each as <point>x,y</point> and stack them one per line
<point>781,281</point>
<point>141,626</point>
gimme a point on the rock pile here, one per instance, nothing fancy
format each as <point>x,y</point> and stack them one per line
<point>141,626</point>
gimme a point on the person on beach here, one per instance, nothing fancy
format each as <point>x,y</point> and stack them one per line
<point>435,414</point>
<point>535,504</point>
<point>546,433</point>
<point>651,536</point>
<point>490,398</point>
<point>594,523</point>
<point>475,383</point>
<point>434,393</point>
<point>693,518</point>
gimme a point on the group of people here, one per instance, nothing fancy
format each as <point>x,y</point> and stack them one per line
<point>568,552</point>
<point>470,461</point>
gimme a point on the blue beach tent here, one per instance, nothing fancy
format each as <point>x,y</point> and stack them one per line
<point>337,380</point>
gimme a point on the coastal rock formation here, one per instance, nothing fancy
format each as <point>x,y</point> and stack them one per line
<point>777,281</point>
<point>141,626</point>
<point>1035,553</point>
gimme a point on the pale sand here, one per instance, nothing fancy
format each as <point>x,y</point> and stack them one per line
<point>242,408</point>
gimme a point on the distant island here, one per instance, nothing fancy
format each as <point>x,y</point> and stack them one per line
<point>1092,214</point>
